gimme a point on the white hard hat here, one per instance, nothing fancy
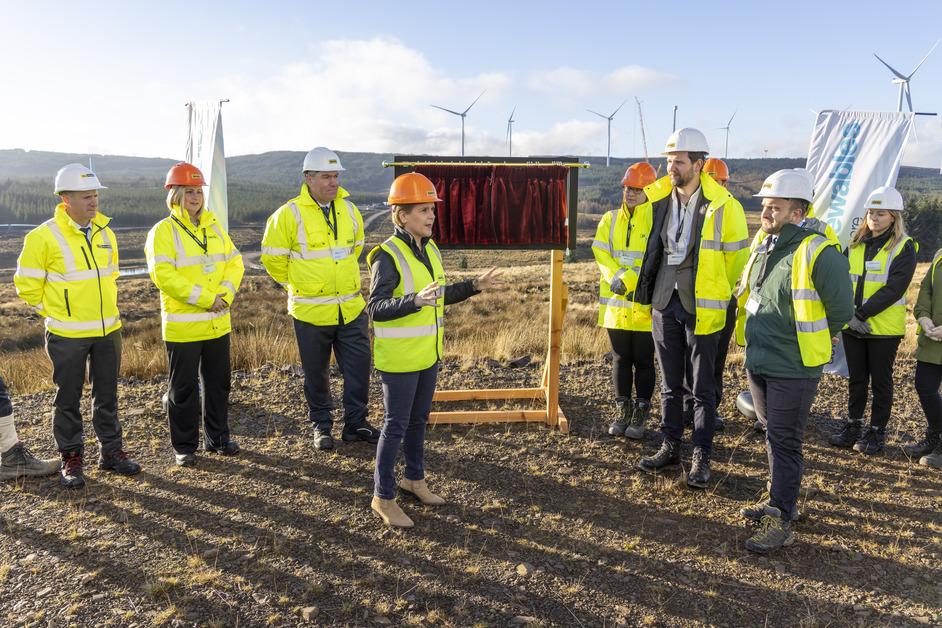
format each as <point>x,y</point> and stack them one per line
<point>686,140</point>
<point>885,197</point>
<point>321,159</point>
<point>789,183</point>
<point>76,178</point>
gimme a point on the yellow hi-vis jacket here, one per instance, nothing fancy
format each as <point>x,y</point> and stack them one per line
<point>723,250</point>
<point>414,342</point>
<point>892,320</point>
<point>70,280</point>
<point>811,321</point>
<point>189,278</point>
<point>620,242</point>
<point>319,268</point>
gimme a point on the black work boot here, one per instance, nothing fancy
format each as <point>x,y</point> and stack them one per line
<point>364,431</point>
<point>119,462</point>
<point>848,435</point>
<point>924,447</point>
<point>719,424</point>
<point>185,460</point>
<point>621,416</point>
<point>17,462</point>
<point>72,474</point>
<point>322,438</point>
<point>872,441</point>
<point>699,476</point>
<point>667,455</point>
<point>759,427</point>
<point>755,511</point>
<point>229,448</point>
<point>774,532</point>
<point>639,417</point>
<point>934,459</point>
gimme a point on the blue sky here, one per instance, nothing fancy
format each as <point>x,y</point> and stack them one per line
<point>112,77</point>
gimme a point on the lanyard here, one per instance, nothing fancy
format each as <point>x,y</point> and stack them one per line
<point>769,245</point>
<point>204,244</point>
<point>329,211</point>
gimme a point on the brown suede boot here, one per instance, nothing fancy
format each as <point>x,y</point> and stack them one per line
<point>419,490</point>
<point>390,512</point>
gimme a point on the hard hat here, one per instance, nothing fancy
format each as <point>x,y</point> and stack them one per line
<point>639,175</point>
<point>412,188</point>
<point>717,169</point>
<point>321,159</point>
<point>686,140</point>
<point>76,178</point>
<point>787,184</point>
<point>184,174</point>
<point>885,197</point>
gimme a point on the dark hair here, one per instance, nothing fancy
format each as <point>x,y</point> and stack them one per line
<point>800,204</point>
<point>695,155</point>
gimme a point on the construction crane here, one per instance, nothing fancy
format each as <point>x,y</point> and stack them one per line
<point>644,141</point>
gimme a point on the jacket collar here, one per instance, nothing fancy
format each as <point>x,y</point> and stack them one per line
<point>406,237</point>
<point>305,198</point>
<point>62,217</point>
<point>207,217</point>
<point>709,189</point>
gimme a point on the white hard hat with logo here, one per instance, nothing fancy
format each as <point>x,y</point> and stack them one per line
<point>686,140</point>
<point>787,184</point>
<point>321,159</point>
<point>885,197</point>
<point>76,178</point>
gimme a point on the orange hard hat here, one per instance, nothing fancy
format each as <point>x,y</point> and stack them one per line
<point>717,169</point>
<point>184,174</point>
<point>639,175</point>
<point>412,188</point>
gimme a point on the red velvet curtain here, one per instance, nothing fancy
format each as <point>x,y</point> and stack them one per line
<point>500,205</point>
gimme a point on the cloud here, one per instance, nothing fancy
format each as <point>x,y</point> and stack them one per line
<point>567,83</point>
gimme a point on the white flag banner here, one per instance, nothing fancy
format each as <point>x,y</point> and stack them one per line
<point>851,154</point>
<point>204,149</point>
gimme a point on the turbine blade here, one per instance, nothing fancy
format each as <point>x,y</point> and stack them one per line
<point>448,110</point>
<point>889,67</point>
<point>619,107</point>
<point>511,118</point>
<point>597,113</point>
<point>731,118</point>
<point>472,104</point>
<point>924,59</point>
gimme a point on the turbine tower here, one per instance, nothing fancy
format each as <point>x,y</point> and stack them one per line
<point>462,115</point>
<point>903,80</point>
<point>726,128</point>
<point>608,154</point>
<point>510,133</point>
<point>644,139</point>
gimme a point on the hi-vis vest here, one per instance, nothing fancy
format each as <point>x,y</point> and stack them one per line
<point>811,322</point>
<point>724,250</point>
<point>892,320</point>
<point>620,260</point>
<point>70,280</point>
<point>189,278</point>
<point>319,268</point>
<point>413,342</point>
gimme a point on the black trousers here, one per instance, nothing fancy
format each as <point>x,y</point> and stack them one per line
<point>870,365</point>
<point>632,350</point>
<point>783,405</point>
<point>351,346</point>
<point>6,405</point>
<point>206,363</point>
<point>928,380</point>
<point>680,350</point>
<point>719,365</point>
<point>72,359</point>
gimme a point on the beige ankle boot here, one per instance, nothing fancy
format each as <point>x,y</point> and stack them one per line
<point>419,490</point>
<point>391,513</point>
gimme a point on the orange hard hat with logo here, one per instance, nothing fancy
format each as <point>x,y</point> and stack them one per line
<point>412,188</point>
<point>184,174</point>
<point>717,169</point>
<point>639,175</point>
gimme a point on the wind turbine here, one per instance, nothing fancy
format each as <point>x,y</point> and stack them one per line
<point>510,133</point>
<point>903,80</point>
<point>462,115</point>
<point>726,128</point>
<point>644,139</point>
<point>608,155</point>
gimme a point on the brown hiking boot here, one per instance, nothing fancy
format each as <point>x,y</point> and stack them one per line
<point>390,512</point>
<point>17,462</point>
<point>419,490</point>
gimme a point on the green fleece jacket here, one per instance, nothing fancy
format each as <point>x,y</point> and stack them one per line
<point>771,340</point>
<point>929,303</point>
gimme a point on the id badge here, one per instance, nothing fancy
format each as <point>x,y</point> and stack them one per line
<point>753,304</point>
<point>338,254</point>
<point>625,260</point>
<point>873,265</point>
<point>674,259</point>
<point>209,268</point>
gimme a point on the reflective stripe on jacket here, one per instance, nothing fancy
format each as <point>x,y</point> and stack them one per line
<point>892,320</point>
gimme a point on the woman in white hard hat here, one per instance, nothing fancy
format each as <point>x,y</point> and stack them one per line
<point>882,262</point>
<point>198,270</point>
<point>408,295</point>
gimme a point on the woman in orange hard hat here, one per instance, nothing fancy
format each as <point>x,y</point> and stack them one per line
<point>408,295</point>
<point>619,246</point>
<point>198,269</point>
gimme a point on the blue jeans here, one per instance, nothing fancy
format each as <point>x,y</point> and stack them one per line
<point>408,401</point>
<point>6,406</point>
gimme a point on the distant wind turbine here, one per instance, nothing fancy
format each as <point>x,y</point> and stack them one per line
<point>644,139</point>
<point>608,154</point>
<point>462,115</point>
<point>510,133</point>
<point>903,80</point>
<point>726,128</point>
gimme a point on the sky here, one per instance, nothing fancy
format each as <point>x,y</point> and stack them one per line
<point>113,77</point>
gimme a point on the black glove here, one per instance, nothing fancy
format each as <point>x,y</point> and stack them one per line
<point>859,326</point>
<point>618,286</point>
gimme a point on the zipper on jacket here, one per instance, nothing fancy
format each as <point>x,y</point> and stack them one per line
<point>101,297</point>
<point>68,309</point>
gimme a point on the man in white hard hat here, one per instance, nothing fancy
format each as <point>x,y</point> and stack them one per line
<point>697,249</point>
<point>312,247</point>
<point>793,304</point>
<point>68,272</point>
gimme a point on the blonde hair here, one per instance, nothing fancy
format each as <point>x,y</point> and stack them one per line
<point>395,214</point>
<point>175,197</point>
<point>898,228</point>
